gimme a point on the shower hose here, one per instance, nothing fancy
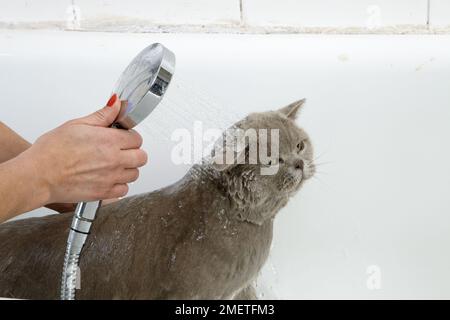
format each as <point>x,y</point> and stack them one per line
<point>81,224</point>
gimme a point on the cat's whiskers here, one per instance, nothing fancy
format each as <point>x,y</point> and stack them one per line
<point>319,155</point>
<point>321,172</point>
<point>321,181</point>
<point>320,163</point>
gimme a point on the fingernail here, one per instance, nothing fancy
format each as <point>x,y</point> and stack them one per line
<point>112,100</point>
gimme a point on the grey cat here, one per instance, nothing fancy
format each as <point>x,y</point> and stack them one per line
<point>205,237</point>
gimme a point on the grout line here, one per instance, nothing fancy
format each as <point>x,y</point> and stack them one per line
<point>241,13</point>
<point>74,12</point>
<point>198,29</point>
<point>146,27</point>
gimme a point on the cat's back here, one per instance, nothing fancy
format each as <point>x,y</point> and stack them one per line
<point>29,250</point>
<point>33,231</point>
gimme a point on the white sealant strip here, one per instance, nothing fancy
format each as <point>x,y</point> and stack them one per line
<point>144,26</point>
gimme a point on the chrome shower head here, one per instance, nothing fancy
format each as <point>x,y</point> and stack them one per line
<point>143,84</point>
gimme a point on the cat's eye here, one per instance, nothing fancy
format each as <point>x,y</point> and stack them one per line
<point>301,146</point>
<point>280,160</point>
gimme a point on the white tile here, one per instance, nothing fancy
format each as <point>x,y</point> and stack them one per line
<point>440,13</point>
<point>163,12</point>
<point>196,12</point>
<point>329,13</point>
<point>33,10</point>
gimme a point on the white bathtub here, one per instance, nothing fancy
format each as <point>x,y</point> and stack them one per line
<point>376,222</point>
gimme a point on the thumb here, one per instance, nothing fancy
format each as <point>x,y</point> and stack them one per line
<point>105,116</point>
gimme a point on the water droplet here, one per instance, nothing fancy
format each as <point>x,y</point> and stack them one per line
<point>200,237</point>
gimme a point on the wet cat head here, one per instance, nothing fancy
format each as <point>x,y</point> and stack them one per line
<point>269,169</point>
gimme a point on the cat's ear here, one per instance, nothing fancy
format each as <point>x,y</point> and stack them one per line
<point>291,111</point>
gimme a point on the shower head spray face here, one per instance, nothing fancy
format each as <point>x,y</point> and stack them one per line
<point>143,84</point>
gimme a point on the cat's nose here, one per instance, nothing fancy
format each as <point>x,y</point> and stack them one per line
<point>299,164</point>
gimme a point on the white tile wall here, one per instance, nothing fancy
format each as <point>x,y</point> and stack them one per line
<point>164,11</point>
<point>255,13</point>
<point>197,12</point>
<point>440,13</point>
<point>331,13</point>
<point>33,10</point>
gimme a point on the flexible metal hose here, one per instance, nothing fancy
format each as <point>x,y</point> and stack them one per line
<point>81,224</point>
<point>69,277</point>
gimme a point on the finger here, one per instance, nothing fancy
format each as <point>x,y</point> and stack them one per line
<point>128,139</point>
<point>133,158</point>
<point>118,191</point>
<point>105,116</point>
<point>128,176</point>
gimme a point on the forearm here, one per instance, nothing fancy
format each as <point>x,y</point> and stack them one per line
<point>21,189</point>
<point>11,144</point>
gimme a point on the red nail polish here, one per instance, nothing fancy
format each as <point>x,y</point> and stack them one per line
<point>112,100</point>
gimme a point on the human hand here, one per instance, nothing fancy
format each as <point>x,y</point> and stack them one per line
<point>85,160</point>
